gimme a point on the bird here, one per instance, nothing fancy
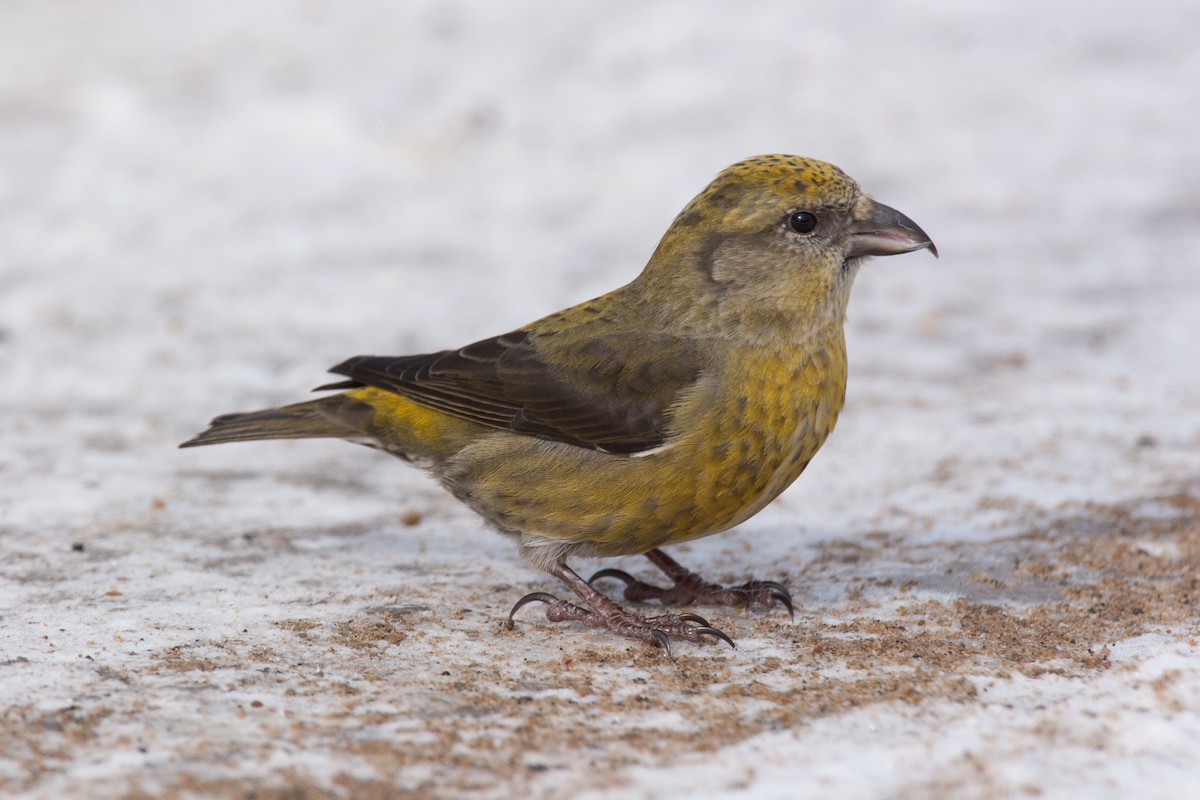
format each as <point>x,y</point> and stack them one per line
<point>674,407</point>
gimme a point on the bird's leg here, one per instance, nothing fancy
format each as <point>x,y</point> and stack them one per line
<point>688,587</point>
<point>602,612</point>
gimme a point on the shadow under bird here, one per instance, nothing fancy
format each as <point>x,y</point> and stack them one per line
<point>674,407</point>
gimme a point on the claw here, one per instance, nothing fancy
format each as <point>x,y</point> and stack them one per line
<point>774,590</point>
<point>785,599</point>
<point>663,641</point>
<point>706,630</point>
<point>696,618</point>
<point>609,572</point>
<point>533,597</point>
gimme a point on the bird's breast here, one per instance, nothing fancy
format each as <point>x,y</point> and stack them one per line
<point>768,418</point>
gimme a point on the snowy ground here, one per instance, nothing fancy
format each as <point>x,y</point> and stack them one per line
<point>997,555</point>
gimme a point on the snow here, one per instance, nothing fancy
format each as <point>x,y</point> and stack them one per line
<point>1046,738</point>
<point>205,205</point>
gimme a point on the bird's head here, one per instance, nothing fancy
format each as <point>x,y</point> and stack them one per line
<point>782,231</point>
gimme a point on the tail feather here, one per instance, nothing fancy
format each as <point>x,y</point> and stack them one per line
<point>336,417</point>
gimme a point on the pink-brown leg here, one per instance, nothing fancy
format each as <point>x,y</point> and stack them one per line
<point>601,612</point>
<point>688,587</point>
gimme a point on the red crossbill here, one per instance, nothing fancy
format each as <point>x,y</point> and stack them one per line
<point>674,407</point>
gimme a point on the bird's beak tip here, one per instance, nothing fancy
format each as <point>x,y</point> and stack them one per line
<point>887,232</point>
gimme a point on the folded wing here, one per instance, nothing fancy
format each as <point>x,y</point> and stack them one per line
<point>613,393</point>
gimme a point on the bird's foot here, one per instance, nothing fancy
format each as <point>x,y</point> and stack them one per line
<point>603,612</point>
<point>688,587</point>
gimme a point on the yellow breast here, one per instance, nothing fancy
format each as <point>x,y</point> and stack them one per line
<point>772,427</point>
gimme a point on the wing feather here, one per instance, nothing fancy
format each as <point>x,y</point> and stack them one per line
<point>613,393</point>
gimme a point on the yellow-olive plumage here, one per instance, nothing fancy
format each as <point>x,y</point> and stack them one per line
<point>671,408</point>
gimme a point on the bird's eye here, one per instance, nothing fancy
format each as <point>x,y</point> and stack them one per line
<point>802,221</point>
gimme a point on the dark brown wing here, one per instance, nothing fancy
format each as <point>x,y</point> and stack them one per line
<point>611,393</point>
